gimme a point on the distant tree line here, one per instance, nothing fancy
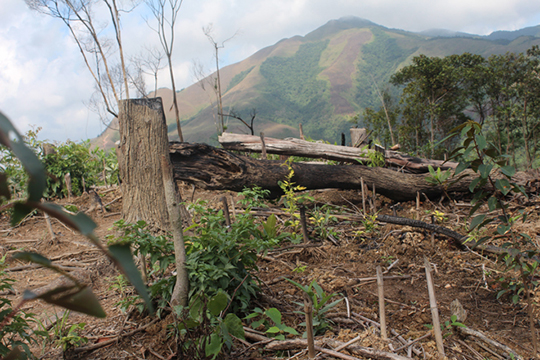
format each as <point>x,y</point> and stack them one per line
<point>501,92</point>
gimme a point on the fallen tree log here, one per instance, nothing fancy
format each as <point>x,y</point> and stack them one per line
<point>298,147</point>
<point>216,169</point>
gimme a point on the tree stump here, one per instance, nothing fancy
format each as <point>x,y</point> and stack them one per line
<point>143,140</point>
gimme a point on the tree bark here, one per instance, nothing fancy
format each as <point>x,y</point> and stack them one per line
<point>297,147</point>
<point>143,139</point>
<point>181,288</point>
<point>216,169</point>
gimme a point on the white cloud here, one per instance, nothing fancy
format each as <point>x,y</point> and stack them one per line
<point>43,80</point>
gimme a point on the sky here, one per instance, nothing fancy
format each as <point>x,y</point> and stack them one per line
<point>45,83</point>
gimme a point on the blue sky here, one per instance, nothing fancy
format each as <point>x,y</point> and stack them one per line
<point>44,82</point>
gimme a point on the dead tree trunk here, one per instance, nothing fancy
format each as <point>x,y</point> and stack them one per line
<point>143,139</point>
<point>216,169</point>
<point>297,147</point>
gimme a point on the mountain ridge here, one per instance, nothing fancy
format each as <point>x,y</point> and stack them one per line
<point>321,79</point>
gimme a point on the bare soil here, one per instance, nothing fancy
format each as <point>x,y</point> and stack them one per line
<point>346,268</point>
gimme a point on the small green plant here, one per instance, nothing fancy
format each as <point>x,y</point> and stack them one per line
<point>205,327</point>
<point>370,225</point>
<point>270,319</point>
<point>321,305</point>
<point>253,197</point>
<point>387,259</point>
<point>72,337</point>
<point>376,158</point>
<point>292,199</point>
<point>438,177</point>
<point>300,269</point>
<point>448,326</point>
<point>18,332</point>
<point>321,218</point>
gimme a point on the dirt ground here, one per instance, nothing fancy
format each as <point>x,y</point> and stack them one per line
<point>347,268</point>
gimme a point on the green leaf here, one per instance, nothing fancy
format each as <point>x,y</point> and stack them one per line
<point>121,254</point>
<point>20,211</point>
<point>503,185</point>
<point>274,315</point>
<point>214,346</point>
<point>273,330</point>
<point>461,166</point>
<point>493,203</point>
<point>4,189</point>
<point>473,184</point>
<point>481,141</point>
<point>74,298</point>
<point>485,170</point>
<point>34,167</point>
<point>80,222</point>
<point>217,303</point>
<point>508,170</point>
<point>234,324</point>
<point>476,221</point>
<point>290,330</point>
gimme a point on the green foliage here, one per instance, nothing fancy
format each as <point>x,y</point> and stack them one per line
<point>292,92</point>
<point>439,177</point>
<point>72,338</point>
<point>205,327</point>
<point>321,218</point>
<point>292,200</point>
<point>221,258</point>
<point>18,331</point>
<point>321,305</point>
<point>237,79</point>
<point>78,296</point>
<point>270,320</point>
<point>520,252</point>
<point>448,326</point>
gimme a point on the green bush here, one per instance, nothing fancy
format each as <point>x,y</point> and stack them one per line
<point>18,331</point>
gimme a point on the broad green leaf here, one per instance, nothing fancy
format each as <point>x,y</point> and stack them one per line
<point>34,167</point>
<point>481,141</point>
<point>274,315</point>
<point>234,324</point>
<point>80,299</point>
<point>80,222</point>
<point>503,185</point>
<point>476,221</point>
<point>273,330</point>
<point>121,254</point>
<point>485,170</point>
<point>217,303</point>
<point>20,211</point>
<point>473,184</point>
<point>508,170</point>
<point>214,346</point>
<point>461,166</point>
<point>290,330</point>
<point>493,203</point>
<point>4,189</point>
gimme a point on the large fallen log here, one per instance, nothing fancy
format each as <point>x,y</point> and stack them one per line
<point>216,169</point>
<point>298,147</point>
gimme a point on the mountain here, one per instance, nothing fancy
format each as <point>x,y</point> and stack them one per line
<point>321,79</point>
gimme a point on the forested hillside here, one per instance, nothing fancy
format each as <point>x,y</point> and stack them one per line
<point>323,79</point>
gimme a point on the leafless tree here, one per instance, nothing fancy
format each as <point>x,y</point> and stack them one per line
<point>96,50</point>
<point>166,14</point>
<point>208,32</point>
<point>206,83</point>
<point>233,114</point>
<point>148,62</point>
